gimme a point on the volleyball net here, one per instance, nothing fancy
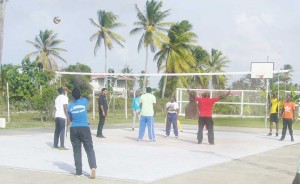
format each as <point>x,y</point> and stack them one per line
<point>240,103</point>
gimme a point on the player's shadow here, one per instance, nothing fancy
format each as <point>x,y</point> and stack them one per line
<point>127,129</point>
<point>65,167</point>
<point>132,138</point>
<point>268,137</point>
<point>50,144</point>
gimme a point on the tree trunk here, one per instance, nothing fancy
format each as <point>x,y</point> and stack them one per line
<point>105,64</point>
<point>211,86</point>
<point>164,87</point>
<point>2,15</point>
<point>145,78</point>
<point>165,79</point>
<point>105,69</point>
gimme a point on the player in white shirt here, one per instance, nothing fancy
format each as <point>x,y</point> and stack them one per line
<point>172,108</point>
<point>61,111</point>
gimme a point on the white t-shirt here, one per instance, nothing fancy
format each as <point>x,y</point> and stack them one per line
<point>147,100</point>
<point>172,107</point>
<point>60,101</point>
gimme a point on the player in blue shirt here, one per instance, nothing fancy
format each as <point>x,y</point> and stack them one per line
<point>136,109</point>
<point>80,133</point>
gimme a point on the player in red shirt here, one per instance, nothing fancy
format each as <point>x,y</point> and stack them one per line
<point>205,115</point>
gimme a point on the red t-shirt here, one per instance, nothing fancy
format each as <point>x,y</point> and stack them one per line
<point>205,106</point>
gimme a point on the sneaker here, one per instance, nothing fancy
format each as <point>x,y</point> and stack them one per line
<point>281,139</point>
<point>276,135</point>
<point>199,142</point>
<point>292,139</point>
<point>139,140</point>
<point>269,134</point>
<point>153,140</point>
<point>55,147</point>
<point>79,175</point>
<point>132,129</point>
<point>167,136</point>
<point>212,143</point>
<point>63,148</point>
<point>100,136</point>
<point>176,136</point>
<point>93,173</point>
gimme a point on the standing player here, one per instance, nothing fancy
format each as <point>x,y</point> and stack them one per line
<point>61,107</point>
<point>147,115</point>
<point>172,108</point>
<point>288,116</point>
<point>274,109</point>
<point>205,115</point>
<point>103,109</point>
<point>136,109</point>
<point>80,133</point>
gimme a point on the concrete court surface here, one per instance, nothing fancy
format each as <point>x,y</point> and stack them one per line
<point>240,156</point>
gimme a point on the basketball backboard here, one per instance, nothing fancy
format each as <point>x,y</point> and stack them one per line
<point>262,70</point>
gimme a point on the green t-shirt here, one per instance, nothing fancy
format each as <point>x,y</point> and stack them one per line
<point>147,100</point>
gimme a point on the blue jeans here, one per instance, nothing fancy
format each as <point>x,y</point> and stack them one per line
<point>146,120</point>
<point>171,119</point>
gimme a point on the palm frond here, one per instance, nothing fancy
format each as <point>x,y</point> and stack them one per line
<point>116,38</point>
<point>95,35</point>
<point>136,30</point>
<point>94,23</point>
<point>141,42</point>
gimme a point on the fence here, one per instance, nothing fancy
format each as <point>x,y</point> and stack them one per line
<point>240,103</point>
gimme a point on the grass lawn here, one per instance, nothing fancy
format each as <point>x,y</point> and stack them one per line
<point>32,119</point>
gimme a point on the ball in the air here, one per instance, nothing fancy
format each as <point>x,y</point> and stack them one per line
<point>56,20</point>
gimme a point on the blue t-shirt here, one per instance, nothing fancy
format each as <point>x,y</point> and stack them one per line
<point>77,110</point>
<point>136,103</point>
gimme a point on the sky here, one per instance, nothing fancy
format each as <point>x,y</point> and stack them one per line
<point>245,31</point>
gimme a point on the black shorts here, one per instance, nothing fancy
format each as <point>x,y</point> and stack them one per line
<point>274,117</point>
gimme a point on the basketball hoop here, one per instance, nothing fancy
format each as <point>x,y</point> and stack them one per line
<point>261,77</point>
<point>262,81</point>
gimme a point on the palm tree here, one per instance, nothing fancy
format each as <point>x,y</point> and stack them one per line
<point>216,64</point>
<point>202,59</point>
<point>130,83</point>
<point>141,81</point>
<point>287,76</point>
<point>106,22</point>
<point>175,55</point>
<point>152,25</point>
<point>2,15</point>
<point>46,50</point>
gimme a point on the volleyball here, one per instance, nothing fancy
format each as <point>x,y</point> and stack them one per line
<point>56,20</point>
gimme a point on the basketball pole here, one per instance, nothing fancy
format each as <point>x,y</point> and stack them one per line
<point>267,104</point>
<point>8,113</point>
<point>267,94</point>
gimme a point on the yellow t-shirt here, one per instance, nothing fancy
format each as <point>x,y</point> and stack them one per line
<point>274,107</point>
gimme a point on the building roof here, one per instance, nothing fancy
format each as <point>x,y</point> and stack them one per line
<point>119,77</point>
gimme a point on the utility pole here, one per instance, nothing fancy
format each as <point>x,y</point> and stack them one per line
<point>2,15</point>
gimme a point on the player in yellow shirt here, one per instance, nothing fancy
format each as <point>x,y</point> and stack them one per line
<point>274,109</point>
